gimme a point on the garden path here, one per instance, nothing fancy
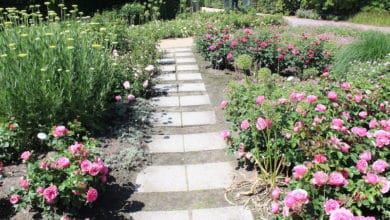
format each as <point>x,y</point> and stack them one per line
<point>189,168</point>
<point>294,21</point>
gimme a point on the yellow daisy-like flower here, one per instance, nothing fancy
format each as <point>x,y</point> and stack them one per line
<point>97,46</point>
<point>22,55</point>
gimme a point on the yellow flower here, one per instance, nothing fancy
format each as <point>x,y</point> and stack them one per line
<point>97,46</point>
<point>52,46</point>
<point>22,55</point>
<point>70,47</point>
<point>24,35</point>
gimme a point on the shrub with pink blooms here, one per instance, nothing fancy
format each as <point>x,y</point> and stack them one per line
<point>266,49</point>
<point>334,134</point>
<point>66,180</point>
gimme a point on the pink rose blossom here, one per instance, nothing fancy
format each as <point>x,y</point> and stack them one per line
<point>358,98</point>
<point>208,36</point>
<point>365,155</point>
<point>50,194</point>
<point>362,166</point>
<point>126,85</point>
<point>60,131</point>
<point>320,158</point>
<point>77,147</point>
<point>282,100</point>
<point>287,136</point>
<point>380,166</point>
<point>225,135</point>
<point>43,165</point>
<point>300,196</point>
<point>345,147</point>
<point>275,207</point>
<point>346,115</point>
<point>63,162</point>
<point>276,193</point>
<point>312,98</point>
<point>337,124</point>
<point>25,155</point>
<point>385,183</point>
<point>95,169</point>
<point>118,98</point>
<point>385,124</point>
<point>286,212</point>
<point>281,56</point>
<point>260,99</point>
<point>325,73</point>
<point>363,115</point>
<point>115,53</point>
<point>332,96</point>
<point>223,104</point>
<point>337,179</point>
<point>371,178</point>
<point>295,52</point>
<point>299,171</point>
<point>24,183</point>
<point>15,198</point>
<point>341,214</point>
<point>331,205</point>
<point>293,96</point>
<point>85,166</point>
<point>373,123</point>
<point>245,125</point>
<point>212,47</point>
<point>130,98</point>
<point>361,132</point>
<point>40,190</point>
<point>92,195</point>
<point>346,86</point>
<point>261,124</point>
<point>320,178</point>
<point>233,43</point>
<point>320,108</point>
<point>229,56</point>
<point>382,138</point>
<point>290,201</point>
<point>300,96</point>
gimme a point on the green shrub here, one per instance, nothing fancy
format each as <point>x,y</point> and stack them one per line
<point>243,62</point>
<point>370,46</point>
<point>310,14</point>
<point>377,18</point>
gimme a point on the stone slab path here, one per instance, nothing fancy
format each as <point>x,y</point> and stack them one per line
<point>196,185</point>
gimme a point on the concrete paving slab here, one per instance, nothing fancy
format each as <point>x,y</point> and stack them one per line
<point>187,67</point>
<point>198,118</point>
<point>166,119</point>
<point>169,101</point>
<point>166,144</point>
<point>167,77</point>
<point>166,87</point>
<point>223,213</point>
<point>162,179</point>
<point>194,100</point>
<point>209,176</point>
<point>168,55</point>
<point>192,87</point>
<point>161,215</point>
<point>168,68</point>
<point>184,54</point>
<point>203,141</point>
<point>189,76</point>
<point>185,60</point>
<point>166,61</point>
<point>183,49</point>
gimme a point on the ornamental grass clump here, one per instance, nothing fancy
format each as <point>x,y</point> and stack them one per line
<point>55,70</point>
<point>65,180</point>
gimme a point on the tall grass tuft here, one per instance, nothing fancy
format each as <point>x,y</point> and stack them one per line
<point>51,74</point>
<point>370,47</point>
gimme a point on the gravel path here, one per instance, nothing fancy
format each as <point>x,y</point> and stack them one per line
<point>294,21</point>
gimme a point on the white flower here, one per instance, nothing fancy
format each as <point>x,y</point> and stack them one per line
<point>149,68</point>
<point>42,136</point>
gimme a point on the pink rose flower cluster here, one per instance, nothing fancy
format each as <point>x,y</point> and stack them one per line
<point>60,131</point>
<point>95,168</point>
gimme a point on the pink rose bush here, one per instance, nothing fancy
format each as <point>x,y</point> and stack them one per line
<point>334,135</point>
<point>68,179</point>
<point>221,47</point>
